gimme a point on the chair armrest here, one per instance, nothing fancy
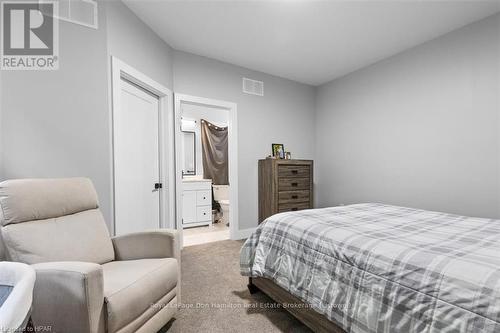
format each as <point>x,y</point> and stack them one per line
<point>68,296</point>
<point>17,306</point>
<point>162,243</point>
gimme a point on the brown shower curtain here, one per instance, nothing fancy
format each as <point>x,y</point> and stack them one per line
<point>214,153</point>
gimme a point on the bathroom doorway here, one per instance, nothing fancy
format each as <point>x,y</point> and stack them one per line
<point>206,170</point>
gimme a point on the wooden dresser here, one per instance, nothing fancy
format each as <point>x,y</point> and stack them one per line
<point>284,185</point>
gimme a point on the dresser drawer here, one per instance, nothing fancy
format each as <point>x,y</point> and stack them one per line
<point>289,207</point>
<point>203,198</point>
<point>290,184</point>
<point>293,196</point>
<point>290,171</point>
<point>204,213</point>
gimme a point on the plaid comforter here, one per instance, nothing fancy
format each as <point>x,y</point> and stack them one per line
<point>379,268</point>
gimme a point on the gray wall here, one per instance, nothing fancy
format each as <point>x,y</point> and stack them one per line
<point>55,123</point>
<point>283,115</point>
<point>136,44</point>
<point>420,129</point>
<point>1,129</point>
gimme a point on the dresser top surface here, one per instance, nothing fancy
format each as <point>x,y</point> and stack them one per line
<point>285,161</point>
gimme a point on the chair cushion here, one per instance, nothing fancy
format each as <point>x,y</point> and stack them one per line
<point>78,237</point>
<point>24,200</point>
<point>132,286</point>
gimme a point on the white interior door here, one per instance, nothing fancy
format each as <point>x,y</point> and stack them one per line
<point>136,160</point>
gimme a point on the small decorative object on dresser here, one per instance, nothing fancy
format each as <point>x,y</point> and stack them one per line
<point>284,185</point>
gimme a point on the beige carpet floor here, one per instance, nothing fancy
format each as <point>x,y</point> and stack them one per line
<point>216,299</point>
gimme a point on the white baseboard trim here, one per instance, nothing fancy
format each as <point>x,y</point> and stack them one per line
<point>243,234</point>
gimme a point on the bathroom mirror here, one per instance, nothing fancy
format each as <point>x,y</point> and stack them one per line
<point>189,148</point>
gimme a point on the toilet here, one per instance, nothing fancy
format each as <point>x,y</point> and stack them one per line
<point>221,195</point>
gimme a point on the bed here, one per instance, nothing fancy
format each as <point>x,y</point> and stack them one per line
<point>379,268</point>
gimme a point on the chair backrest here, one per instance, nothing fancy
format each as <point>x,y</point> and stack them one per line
<point>53,220</point>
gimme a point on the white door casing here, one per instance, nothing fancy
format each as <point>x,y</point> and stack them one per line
<point>180,99</point>
<point>144,88</point>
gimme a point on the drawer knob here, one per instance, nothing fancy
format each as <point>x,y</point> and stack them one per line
<point>295,196</point>
<point>294,208</point>
<point>295,184</point>
<point>295,172</point>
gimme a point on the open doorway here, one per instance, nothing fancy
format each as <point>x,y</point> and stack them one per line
<point>206,169</point>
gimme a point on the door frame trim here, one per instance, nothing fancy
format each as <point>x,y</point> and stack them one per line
<point>232,156</point>
<point>119,70</point>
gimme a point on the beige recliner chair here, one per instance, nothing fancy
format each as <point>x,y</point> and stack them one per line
<point>85,280</point>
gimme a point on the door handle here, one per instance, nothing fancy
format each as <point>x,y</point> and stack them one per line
<point>158,186</point>
<point>295,196</point>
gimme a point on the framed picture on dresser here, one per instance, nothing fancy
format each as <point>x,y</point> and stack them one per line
<point>278,150</point>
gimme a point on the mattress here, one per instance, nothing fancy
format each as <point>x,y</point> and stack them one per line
<point>380,268</point>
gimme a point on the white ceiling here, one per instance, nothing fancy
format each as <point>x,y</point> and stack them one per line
<point>307,41</point>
